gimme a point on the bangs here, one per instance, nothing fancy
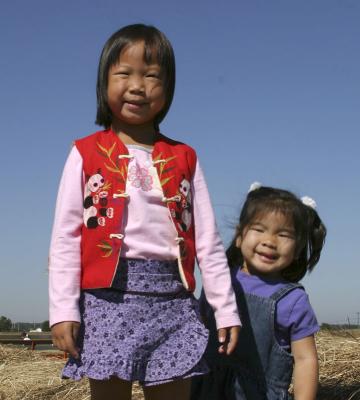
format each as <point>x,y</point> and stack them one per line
<point>257,210</point>
<point>152,51</point>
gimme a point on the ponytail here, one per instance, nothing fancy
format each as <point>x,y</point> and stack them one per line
<point>317,234</point>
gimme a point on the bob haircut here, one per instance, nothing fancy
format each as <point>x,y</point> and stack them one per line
<point>157,47</point>
<point>310,232</point>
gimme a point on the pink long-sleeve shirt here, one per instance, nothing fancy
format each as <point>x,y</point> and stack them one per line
<point>148,233</point>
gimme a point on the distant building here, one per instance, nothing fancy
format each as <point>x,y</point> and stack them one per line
<point>35,330</point>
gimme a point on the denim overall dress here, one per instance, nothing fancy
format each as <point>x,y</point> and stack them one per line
<point>259,368</point>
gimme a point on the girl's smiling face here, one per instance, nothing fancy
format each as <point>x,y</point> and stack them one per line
<point>135,92</point>
<point>267,244</point>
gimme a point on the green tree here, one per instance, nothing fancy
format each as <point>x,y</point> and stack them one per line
<point>45,327</point>
<point>5,324</point>
<point>325,326</point>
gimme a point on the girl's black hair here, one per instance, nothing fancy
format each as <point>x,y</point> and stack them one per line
<point>157,46</point>
<point>310,231</point>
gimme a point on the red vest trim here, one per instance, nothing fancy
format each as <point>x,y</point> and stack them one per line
<point>105,165</point>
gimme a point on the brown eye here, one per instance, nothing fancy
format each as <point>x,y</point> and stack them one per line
<point>256,229</point>
<point>124,73</point>
<point>286,235</point>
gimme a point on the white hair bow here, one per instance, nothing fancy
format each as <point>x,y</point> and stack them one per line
<point>254,186</point>
<point>308,201</point>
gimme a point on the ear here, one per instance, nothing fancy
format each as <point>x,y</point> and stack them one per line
<point>238,242</point>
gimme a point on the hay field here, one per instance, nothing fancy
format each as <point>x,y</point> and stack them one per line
<point>339,359</point>
<point>31,375</point>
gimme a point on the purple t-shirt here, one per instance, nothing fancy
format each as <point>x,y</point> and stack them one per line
<point>295,318</point>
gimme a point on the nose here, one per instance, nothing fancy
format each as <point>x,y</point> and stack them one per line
<point>136,84</point>
<point>269,241</point>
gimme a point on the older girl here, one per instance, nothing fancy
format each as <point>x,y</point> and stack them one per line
<point>133,212</point>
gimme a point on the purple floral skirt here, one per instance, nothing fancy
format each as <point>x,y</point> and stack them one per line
<point>147,328</point>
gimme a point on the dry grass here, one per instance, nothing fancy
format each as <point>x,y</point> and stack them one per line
<point>339,358</point>
<point>31,375</point>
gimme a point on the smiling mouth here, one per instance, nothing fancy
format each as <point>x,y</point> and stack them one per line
<point>134,106</point>
<point>267,257</point>
<point>135,103</point>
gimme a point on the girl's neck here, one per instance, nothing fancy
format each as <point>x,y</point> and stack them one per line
<point>143,135</point>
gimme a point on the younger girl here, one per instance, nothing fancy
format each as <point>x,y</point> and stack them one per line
<point>278,239</point>
<point>133,212</point>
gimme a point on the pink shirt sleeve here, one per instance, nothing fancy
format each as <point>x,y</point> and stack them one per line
<point>64,257</point>
<point>211,256</point>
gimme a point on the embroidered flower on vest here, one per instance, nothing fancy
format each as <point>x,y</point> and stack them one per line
<point>140,178</point>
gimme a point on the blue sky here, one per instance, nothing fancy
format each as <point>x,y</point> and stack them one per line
<point>266,91</point>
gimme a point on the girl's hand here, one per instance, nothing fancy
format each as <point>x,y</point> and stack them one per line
<point>228,337</point>
<point>64,336</point>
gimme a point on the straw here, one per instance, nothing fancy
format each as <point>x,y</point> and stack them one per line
<point>35,375</point>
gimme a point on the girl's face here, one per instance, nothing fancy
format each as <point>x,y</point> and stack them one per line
<point>267,244</point>
<point>135,91</point>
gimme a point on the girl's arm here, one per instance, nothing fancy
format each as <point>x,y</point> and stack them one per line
<point>213,265</point>
<point>306,369</point>
<point>64,256</point>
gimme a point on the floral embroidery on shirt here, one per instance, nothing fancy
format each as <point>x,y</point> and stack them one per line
<point>140,178</point>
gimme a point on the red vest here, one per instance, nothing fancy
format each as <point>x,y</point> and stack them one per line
<point>105,164</point>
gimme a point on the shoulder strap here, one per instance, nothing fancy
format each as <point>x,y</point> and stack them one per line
<point>285,290</point>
